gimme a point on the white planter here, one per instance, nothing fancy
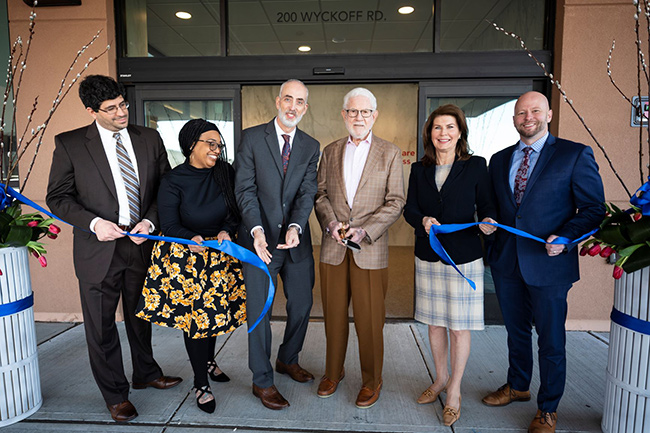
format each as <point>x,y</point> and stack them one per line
<point>20,385</point>
<point>627,394</point>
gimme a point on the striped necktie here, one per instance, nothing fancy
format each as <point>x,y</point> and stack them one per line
<point>130,180</point>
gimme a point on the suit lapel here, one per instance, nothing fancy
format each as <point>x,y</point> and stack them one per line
<point>339,157</point>
<point>456,169</point>
<point>140,150</point>
<point>296,156</point>
<point>274,146</point>
<point>375,153</point>
<point>97,153</point>
<point>505,175</point>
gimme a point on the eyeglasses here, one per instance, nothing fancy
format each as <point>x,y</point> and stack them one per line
<point>113,108</point>
<point>354,113</point>
<point>214,144</point>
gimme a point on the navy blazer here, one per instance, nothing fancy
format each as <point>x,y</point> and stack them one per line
<point>564,196</point>
<point>466,190</point>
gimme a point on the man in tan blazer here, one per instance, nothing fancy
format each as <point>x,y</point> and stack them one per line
<point>360,195</point>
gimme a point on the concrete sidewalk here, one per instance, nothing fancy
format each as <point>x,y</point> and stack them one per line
<point>72,402</point>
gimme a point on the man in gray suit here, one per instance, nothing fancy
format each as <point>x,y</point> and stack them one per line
<point>275,186</point>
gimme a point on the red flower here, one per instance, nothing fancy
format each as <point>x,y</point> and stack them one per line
<point>43,261</point>
<point>0,272</point>
<point>606,252</point>
<point>594,250</point>
<point>54,229</point>
<point>35,254</point>
<point>583,251</point>
<point>54,236</point>
<point>637,216</point>
<point>32,224</point>
<point>618,272</point>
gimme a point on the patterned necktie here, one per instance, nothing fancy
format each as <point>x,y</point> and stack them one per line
<point>521,179</point>
<point>286,151</point>
<point>130,180</point>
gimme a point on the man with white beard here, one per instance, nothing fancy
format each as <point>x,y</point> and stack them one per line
<point>275,185</point>
<point>360,195</point>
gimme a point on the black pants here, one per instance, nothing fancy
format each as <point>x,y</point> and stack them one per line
<point>200,351</point>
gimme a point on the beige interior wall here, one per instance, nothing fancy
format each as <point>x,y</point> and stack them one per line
<point>584,36</point>
<point>60,33</point>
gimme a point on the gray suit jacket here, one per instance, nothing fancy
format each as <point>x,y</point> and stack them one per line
<point>81,187</point>
<point>268,198</point>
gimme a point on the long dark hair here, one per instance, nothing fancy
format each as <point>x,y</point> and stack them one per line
<point>462,147</point>
<point>187,138</point>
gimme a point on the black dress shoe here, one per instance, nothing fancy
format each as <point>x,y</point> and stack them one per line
<point>163,382</point>
<point>208,406</point>
<point>122,412</point>
<point>221,377</point>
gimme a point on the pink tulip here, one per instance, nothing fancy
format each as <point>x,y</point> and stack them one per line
<point>618,272</point>
<point>43,261</point>
<point>0,272</point>
<point>54,229</point>
<point>594,250</point>
<point>606,252</point>
<point>35,254</point>
<point>637,216</point>
<point>583,251</point>
<point>32,224</point>
<point>52,235</point>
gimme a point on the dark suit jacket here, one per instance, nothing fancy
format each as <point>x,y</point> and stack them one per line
<point>265,196</point>
<point>81,187</point>
<point>564,196</point>
<point>466,190</point>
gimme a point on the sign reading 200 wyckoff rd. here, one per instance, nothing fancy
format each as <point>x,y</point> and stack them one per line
<point>329,16</point>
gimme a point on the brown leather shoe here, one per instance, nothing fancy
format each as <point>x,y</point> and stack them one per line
<point>327,386</point>
<point>270,397</point>
<point>295,371</point>
<point>368,397</point>
<point>505,395</point>
<point>450,414</point>
<point>429,395</point>
<point>122,412</point>
<point>544,422</point>
<point>163,382</point>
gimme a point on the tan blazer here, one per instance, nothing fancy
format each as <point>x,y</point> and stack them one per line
<point>377,204</point>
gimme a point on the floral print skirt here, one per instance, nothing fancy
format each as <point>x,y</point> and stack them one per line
<point>201,293</point>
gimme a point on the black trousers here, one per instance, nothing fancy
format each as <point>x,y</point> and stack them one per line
<point>99,303</point>
<point>200,351</point>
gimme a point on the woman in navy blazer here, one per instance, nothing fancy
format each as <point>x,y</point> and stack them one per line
<point>448,185</point>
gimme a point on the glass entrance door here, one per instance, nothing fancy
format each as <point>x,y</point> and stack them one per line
<point>488,107</point>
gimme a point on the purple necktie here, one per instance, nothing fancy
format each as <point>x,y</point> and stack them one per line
<point>521,179</point>
<point>286,151</point>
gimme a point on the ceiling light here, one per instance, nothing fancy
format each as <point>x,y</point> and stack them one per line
<point>338,40</point>
<point>304,48</point>
<point>405,10</point>
<point>183,15</point>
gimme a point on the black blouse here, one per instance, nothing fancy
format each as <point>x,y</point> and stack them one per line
<point>190,203</point>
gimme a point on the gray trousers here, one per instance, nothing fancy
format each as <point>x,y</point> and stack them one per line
<point>298,283</point>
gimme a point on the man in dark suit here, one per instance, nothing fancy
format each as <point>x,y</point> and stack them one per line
<point>275,185</point>
<point>551,188</point>
<point>104,180</point>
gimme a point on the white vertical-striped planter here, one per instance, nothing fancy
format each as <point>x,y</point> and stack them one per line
<point>20,385</point>
<point>627,394</point>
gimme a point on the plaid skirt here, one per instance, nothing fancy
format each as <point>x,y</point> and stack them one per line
<point>443,297</point>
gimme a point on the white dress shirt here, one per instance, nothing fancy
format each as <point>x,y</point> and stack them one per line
<point>353,164</point>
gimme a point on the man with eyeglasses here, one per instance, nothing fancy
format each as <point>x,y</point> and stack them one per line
<point>360,195</point>
<point>104,179</point>
<point>275,185</point>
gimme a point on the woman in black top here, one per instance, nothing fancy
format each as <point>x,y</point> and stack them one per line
<point>193,288</point>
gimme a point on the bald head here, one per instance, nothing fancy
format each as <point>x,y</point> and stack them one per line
<point>532,116</point>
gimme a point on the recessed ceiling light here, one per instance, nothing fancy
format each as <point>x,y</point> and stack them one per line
<point>183,15</point>
<point>338,40</point>
<point>405,10</point>
<point>304,48</point>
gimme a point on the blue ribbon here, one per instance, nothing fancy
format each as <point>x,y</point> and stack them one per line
<point>16,306</point>
<point>642,200</point>
<point>630,322</point>
<point>230,248</point>
<point>450,228</point>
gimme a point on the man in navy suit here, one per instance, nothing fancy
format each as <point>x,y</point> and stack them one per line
<point>551,188</point>
<point>275,186</point>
